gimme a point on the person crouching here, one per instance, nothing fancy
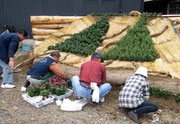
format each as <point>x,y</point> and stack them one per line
<point>135,94</point>
<point>42,70</point>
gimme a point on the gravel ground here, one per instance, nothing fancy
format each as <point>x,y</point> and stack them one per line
<point>14,110</point>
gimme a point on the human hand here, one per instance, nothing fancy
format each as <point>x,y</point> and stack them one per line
<point>11,63</point>
<point>146,97</point>
<point>67,80</point>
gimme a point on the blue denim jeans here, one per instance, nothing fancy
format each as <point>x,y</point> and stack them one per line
<point>7,73</point>
<point>145,107</point>
<point>86,92</point>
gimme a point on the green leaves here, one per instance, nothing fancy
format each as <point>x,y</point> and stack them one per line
<point>33,91</point>
<point>85,42</point>
<point>145,14</point>
<point>159,93</point>
<point>151,90</point>
<point>54,86</point>
<point>167,94</point>
<point>137,45</point>
<point>178,98</point>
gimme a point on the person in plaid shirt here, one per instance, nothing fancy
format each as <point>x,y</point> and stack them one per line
<point>135,94</point>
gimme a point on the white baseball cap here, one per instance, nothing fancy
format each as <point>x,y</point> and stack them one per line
<point>142,71</point>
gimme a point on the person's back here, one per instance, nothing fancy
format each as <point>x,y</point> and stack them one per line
<point>9,43</point>
<point>41,68</point>
<point>91,84</point>
<point>135,94</point>
<point>6,41</point>
<point>93,71</point>
<point>131,94</point>
<point>44,69</point>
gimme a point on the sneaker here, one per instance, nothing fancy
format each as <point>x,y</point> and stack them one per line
<point>7,86</point>
<point>23,89</point>
<point>134,116</point>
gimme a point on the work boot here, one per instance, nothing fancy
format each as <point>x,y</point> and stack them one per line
<point>134,116</point>
<point>93,103</point>
<point>27,83</point>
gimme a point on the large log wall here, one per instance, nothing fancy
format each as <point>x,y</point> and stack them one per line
<point>45,26</point>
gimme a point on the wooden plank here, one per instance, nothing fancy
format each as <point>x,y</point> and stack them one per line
<point>43,31</point>
<point>50,26</point>
<point>40,37</point>
<point>53,19</point>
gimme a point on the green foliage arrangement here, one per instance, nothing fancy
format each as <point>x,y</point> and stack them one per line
<point>148,15</point>
<point>55,86</point>
<point>166,94</point>
<point>85,42</point>
<point>162,93</point>
<point>137,45</point>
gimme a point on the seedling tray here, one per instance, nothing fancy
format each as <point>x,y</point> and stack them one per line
<point>39,104</point>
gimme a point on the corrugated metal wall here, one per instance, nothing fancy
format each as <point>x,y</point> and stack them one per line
<point>18,12</point>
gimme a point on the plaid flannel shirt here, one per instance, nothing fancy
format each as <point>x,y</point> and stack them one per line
<point>131,94</point>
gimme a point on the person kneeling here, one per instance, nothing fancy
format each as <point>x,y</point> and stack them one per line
<point>42,71</point>
<point>135,94</point>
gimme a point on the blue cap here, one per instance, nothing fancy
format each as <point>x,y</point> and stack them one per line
<point>98,54</point>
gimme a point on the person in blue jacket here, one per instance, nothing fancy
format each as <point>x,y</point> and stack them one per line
<point>9,43</point>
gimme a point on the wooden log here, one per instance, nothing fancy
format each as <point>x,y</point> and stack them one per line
<point>159,33</point>
<point>53,19</point>
<point>50,26</point>
<point>43,31</point>
<point>40,37</point>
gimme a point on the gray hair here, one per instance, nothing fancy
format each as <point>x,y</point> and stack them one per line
<point>57,54</point>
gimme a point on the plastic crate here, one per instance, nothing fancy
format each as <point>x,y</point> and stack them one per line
<point>67,94</point>
<point>42,103</point>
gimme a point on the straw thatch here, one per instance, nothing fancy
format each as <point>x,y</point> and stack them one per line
<point>74,27</point>
<point>167,44</point>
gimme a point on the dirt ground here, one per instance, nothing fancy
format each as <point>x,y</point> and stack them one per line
<point>14,110</point>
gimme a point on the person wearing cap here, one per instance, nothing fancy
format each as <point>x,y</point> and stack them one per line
<point>135,94</point>
<point>9,43</point>
<point>43,69</point>
<point>91,72</point>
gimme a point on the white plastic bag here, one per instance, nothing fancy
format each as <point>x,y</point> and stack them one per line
<point>69,105</point>
<point>95,95</point>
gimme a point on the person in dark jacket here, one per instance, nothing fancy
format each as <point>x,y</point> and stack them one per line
<point>43,69</point>
<point>9,43</point>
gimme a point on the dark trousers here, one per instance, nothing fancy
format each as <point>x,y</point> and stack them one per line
<point>145,107</point>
